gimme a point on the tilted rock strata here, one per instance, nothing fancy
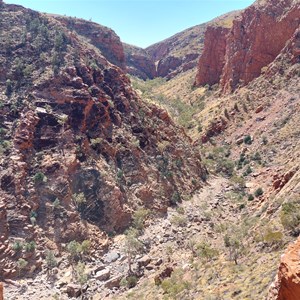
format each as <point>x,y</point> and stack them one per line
<point>80,150</point>
<point>253,42</point>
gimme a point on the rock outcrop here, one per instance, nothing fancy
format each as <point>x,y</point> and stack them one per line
<point>287,282</point>
<point>212,60</point>
<point>254,41</point>
<point>80,151</point>
<point>174,55</point>
<point>139,63</point>
<point>104,38</point>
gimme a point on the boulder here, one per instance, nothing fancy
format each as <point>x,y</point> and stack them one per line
<point>103,275</point>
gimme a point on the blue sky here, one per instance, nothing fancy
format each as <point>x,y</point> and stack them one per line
<point>139,22</point>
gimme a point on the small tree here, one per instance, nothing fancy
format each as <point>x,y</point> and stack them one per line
<point>74,249</point>
<point>132,246</point>
<point>50,260</point>
<point>81,275</point>
<point>235,246</point>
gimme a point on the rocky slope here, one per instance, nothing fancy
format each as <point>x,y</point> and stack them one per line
<point>254,41</point>
<point>251,136</point>
<point>180,52</point>
<point>103,38</point>
<point>80,151</point>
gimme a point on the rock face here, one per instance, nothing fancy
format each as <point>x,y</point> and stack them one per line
<point>287,283</point>
<point>104,38</point>
<point>253,42</point>
<point>139,63</point>
<point>80,151</point>
<point>173,55</point>
<point>212,60</point>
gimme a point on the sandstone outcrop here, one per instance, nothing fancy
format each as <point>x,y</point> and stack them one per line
<point>287,282</point>
<point>253,42</point>
<point>212,60</point>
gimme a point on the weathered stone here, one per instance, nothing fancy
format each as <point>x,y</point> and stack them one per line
<point>103,274</point>
<point>144,261</point>
<point>73,290</point>
<point>113,282</point>
<point>111,257</point>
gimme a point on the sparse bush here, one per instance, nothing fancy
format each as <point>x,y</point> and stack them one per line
<point>39,177</point>
<point>17,246</point>
<point>258,192</point>
<point>85,246</point>
<point>175,198</point>
<point>273,237</point>
<point>30,246</point>
<point>129,281</point>
<point>233,242</point>
<point>32,217</point>
<point>206,251</point>
<point>81,275</point>
<point>179,220</point>
<point>56,203</point>
<point>51,262</point>
<point>22,264</point>
<point>247,171</point>
<point>139,217</point>
<point>174,285</point>
<point>74,249</point>
<point>250,197</point>
<point>247,140</point>
<point>79,200</point>
<point>9,87</point>
<point>132,246</point>
<point>290,216</point>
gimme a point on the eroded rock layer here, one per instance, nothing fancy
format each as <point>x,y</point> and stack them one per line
<point>79,150</point>
<point>254,41</point>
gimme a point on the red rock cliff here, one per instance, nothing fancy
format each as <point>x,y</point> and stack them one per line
<point>253,42</point>
<point>212,60</point>
<point>287,283</point>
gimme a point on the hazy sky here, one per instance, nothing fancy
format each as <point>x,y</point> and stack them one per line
<point>139,22</point>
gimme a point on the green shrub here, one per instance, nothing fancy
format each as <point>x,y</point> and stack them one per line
<point>290,216</point>
<point>30,246</point>
<point>50,259</point>
<point>78,200</point>
<point>206,251</point>
<point>250,197</point>
<point>39,177</point>
<point>9,87</point>
<point>131,281</point>
<point>22,264</point>
<point>247,140</point>
<point>175,198</point>
<point>175,285</point>
<point>273,237</point>
<point>258,192</point>
<point>179,220</point>
<point>139,218</point>
<point>17,246</point>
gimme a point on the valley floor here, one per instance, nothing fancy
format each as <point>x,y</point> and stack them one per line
<point>189,241</point>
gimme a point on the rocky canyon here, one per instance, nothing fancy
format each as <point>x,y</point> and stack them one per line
<point>170,172</point>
